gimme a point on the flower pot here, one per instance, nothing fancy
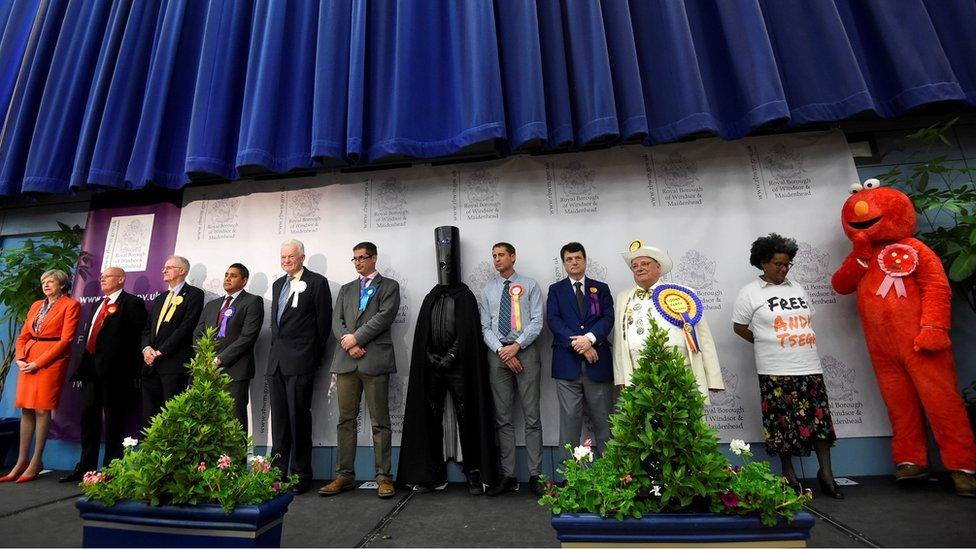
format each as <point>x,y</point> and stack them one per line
<point>131,523</point>
<point>670,529</point>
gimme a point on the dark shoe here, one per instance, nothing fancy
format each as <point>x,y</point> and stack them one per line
<point>829,488</point>
<point>339,485</point>
<point>536,486</point>
<point>508,484</point>
<point>909,472</point>
<point>385,489</point>
<point>301,487</point>
<point>965,484</point>
<point>475,486</point>
<point>74,477</point>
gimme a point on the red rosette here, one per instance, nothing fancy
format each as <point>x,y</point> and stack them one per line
<point>898,260</point>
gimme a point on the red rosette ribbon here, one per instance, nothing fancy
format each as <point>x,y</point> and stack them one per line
<point>896,261</point>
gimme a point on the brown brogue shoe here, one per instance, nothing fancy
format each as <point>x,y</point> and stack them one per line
<point>385,489</point>
<point>965,484</point>
<point>908,472</point>
<point>337,486</point>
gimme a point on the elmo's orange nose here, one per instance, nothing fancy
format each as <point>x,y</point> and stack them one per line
<point>861,208</point>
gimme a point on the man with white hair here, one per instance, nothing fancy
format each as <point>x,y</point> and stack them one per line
<point>675,308</point>
<point>301,321</point>
<point>167,339</point>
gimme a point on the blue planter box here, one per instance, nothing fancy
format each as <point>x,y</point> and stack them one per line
<point>672,529</point>
<point>137,524</point>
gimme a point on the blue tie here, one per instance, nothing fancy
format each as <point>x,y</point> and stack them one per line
<point>505,311</point>
<point>283,297</point>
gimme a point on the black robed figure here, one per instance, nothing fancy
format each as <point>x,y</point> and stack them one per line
<point>448,356</point>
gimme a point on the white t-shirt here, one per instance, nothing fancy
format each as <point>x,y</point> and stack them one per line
<point>781,319</point>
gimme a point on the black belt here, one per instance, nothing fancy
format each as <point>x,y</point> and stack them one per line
<point>46,339</point>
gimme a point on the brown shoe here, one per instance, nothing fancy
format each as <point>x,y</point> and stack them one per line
<point>385,489</point>
<point>908,472</point>
<point>338,485</point>
<point>965,484</point>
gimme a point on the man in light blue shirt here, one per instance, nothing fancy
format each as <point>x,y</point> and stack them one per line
<point>511,320</point>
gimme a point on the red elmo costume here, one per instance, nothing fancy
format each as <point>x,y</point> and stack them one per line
<point>903,297</point>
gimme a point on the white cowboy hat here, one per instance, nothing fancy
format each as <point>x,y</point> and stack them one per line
<point>638,249</point>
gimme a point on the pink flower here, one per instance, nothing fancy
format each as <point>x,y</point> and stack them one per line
<point>223,462</point>
<point>92,477</point>
<point>276,487</point>
<point>265,466</point>
<point>588,442</point>
<point>729,499</point>
<point>804,431</point>
<point>202,467</point>
<point>627,479</point>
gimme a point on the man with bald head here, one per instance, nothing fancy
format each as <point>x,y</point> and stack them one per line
<point>167,339</point>
<point>109,363</point>
<point>301,321</point>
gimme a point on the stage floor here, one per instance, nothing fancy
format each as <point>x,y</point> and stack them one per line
<point>875,513</point>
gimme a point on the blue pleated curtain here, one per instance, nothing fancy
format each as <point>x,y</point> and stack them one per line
<point>122,94</point>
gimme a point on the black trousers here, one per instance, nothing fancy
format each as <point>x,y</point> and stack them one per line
<point>291,423</point>
<point>111,397</point>
<point>437,384</point>
<point>157,389</point>
<point>240,391</point>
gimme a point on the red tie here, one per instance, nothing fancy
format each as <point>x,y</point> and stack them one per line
<point>99,320</point>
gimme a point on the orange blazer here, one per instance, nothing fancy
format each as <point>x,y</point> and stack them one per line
<point>50,349</point>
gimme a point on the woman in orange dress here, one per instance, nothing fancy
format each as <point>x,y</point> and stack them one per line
<point>43,352</point>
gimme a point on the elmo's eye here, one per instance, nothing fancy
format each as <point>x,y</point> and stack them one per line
<point>872,184</point>
<point>856,187</point>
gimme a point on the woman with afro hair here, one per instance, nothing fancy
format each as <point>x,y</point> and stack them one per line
<point>775,314</point>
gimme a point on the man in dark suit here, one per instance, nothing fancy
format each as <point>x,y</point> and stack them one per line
<point>364,312</point>
<point>580,315</point>
<point>109,363</point>
<point>237,317</point>
<point>301,312</point>
<point>167,340</point>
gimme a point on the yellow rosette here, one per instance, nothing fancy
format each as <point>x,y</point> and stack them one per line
<point>172,307</point>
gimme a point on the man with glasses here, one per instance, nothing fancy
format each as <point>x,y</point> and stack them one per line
<point>364,312</point>
<point>301,308</point>
<point>109,363</point>
<point>674,308</point>
<point>167,340</point>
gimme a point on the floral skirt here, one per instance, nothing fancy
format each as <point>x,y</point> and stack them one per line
<point>795,413</point>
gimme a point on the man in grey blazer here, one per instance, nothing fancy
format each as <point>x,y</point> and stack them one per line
<point>237,317</point>
<point>361,321</point>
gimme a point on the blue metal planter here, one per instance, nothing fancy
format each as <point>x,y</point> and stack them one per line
<point>137,524</point>
<point>702,529</point>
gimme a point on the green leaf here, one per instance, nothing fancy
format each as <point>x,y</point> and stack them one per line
<point>963,266</point>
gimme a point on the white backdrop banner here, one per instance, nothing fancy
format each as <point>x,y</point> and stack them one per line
<point>704,202</point>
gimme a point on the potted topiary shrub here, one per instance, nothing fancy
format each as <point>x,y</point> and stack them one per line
<point>662,478</point>
<point>190,482</point>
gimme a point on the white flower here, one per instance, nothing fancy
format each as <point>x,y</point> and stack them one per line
<point>583,453</point>
<point>656,490</point>
<point>739,447</point>
<point>129,442</point>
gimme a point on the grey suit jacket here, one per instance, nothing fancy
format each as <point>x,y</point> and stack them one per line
<point>371,327</point>
<point>236,349</point>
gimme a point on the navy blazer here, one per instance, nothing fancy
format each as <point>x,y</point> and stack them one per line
<point>562,312</point>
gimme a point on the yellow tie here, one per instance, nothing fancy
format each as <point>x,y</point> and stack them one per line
<point>162,314</point>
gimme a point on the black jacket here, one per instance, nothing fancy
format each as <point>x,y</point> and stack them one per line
<point>298,341</point>
<point>175,337</point>
<point>118,353</point>
<point>236,349</point>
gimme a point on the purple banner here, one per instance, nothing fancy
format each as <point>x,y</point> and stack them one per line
<point>137,238</point>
